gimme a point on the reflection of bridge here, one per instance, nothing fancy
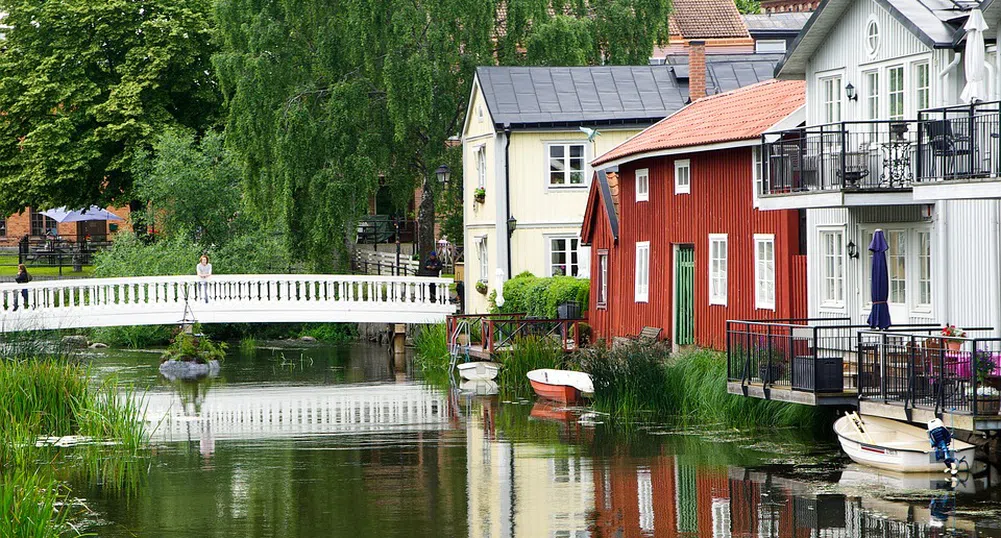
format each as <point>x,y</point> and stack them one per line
<point>233,412</point>
<point>163,300</point>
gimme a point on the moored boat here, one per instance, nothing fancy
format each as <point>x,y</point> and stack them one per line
<point>478,370</point>
<point>564,386</point>
<point>894,446</point>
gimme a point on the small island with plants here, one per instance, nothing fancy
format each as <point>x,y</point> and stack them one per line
<point>192,355</point>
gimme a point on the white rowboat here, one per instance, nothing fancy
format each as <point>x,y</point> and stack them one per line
<point>894,446</point>
<point>478,370</point>
<point>561,385</point>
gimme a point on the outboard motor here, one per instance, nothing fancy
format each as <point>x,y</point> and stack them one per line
<point>941,439</point>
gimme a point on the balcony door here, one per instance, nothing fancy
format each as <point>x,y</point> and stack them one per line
<point>908,264</point>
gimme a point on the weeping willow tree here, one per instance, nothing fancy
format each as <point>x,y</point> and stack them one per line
<point>328,99</point>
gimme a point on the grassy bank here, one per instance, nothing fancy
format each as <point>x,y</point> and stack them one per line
<point>633,381</point>
<point>52,398</point>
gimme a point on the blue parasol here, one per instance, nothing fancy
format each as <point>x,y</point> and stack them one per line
<point>879,318</point>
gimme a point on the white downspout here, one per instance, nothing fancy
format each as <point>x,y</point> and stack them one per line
<point>943,75</point>
<point>992,88</point>
<point>997,64</point>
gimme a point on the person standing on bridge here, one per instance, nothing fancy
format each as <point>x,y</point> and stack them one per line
<point>432,267</point>
<point>22,278</point>
<point>204,271</point>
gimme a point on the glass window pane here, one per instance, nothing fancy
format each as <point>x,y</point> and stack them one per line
<point>577,151</point>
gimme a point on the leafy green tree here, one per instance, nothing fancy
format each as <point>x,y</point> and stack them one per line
<point>749,6</point>
<point>325,96</point>
<point>85,83</point>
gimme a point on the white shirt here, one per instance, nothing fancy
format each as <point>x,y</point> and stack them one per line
<point>203,270</point>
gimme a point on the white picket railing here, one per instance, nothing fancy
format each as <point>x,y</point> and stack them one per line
<point>163,300</point>
<point>385,263</point>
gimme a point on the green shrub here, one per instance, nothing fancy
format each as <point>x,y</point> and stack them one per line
<point>133,336</point>
<point>189,347</point>
<point>541,297</point>
<point>331,333</point>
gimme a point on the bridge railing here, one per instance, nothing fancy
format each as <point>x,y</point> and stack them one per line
<point>236,298</point>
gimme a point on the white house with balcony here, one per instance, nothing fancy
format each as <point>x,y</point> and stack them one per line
<point>892,142</point>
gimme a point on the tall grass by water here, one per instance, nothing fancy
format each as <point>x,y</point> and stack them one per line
<point>528,354</point>
<point>432,358</point>
<point>632,381</point>
<point>52,397</point>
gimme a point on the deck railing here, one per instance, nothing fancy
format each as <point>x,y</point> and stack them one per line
<point>916,369</point>
<point>497,332</point>
<point>959,142</point>
<point>873,155</point>
<point>816,355</point>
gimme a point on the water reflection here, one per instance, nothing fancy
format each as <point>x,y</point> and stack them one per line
<point>341,446</point>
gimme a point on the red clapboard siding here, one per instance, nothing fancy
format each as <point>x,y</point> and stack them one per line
<point>721,201</point>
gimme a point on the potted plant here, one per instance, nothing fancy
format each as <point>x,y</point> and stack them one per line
<point>480,194</point>
<point>953,332</point>
<point>481,287</point>
<point>988,400</point>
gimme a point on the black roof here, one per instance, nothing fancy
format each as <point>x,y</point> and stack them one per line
<point>618,95</point>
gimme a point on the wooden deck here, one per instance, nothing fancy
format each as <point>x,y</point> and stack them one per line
<point>785,393</point>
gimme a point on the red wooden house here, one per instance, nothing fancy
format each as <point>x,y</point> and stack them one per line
<point>677,242</point>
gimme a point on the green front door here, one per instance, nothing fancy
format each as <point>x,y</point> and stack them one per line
<point>684,295</point>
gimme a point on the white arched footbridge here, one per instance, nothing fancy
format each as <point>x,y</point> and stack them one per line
<point>168,300</point>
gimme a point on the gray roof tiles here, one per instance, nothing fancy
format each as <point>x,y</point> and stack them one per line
<point>793,21</point>
<point>628,94</point>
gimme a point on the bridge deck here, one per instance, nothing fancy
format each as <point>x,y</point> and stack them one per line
<point>167,300</point>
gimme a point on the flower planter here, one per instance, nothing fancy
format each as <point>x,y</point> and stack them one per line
<point>953,345</point>
<point>480,199</point>
<point>778,369</point>
<point>825,374</point>
<point>988,405</point>
<point>481,288</point>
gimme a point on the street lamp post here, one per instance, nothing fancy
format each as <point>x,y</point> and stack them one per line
<point>396,225</point>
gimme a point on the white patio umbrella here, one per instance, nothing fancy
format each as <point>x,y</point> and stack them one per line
<point>80,215</point>
<point>976,71</point>
<point>499,286</point>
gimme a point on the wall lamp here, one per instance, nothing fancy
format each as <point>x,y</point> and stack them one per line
<point>512,225</point>
<point>852,250</point>
<point>850,92</point>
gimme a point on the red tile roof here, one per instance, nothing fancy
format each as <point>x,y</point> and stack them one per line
<point>701,19</point>
<point>741,114</point>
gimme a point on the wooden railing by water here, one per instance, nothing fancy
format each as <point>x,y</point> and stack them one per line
<point>164,300</point>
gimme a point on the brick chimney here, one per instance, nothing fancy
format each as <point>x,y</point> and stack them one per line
<point>696,69</point>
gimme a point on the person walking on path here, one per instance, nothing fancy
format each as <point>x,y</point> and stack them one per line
<point>22,277</point>
<point>204,271</point>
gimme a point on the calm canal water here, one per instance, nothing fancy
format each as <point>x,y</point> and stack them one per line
<point>332,442</point>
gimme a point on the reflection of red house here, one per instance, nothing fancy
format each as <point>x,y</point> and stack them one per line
<point>677,242</point>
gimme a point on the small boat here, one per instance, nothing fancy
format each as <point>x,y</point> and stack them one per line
<point>478,370</point>
<point>863,477</point>
<point>561,385</point>
<point>894,446</point>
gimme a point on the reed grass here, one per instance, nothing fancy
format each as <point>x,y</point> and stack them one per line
<point>432,358</point>
<point>634,381</point>
<point>527,354</point>
<point>32,505</point>
<point>248,345</point>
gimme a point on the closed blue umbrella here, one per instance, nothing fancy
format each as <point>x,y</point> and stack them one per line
<point>879,318</point>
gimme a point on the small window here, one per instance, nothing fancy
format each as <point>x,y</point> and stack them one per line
<point>871,79</point>
<point>3,227</point>
<point>764,271</point>
<point>757,173</point>
<point>642,272</point>
<point>922,88</point>
<point>832,99</point>
<point>481,253</point>
<point>924,270</point>
<point>479,113</point>
<point>481,167</point>
<point>602,278</point>
<point>717,269</point>
<point>895,91</point>
<point>770,45</point>
<point>41,225</point>
<point>832,270</point>
<point>642,185</point>
<point>565,165</point>
<point>682,176</point>
<point>564,256</point>
<point>872,37</point>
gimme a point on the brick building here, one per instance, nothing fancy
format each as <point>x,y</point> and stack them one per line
<point>36,225</point>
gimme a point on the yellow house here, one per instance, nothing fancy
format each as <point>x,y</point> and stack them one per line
<point>525,161</point>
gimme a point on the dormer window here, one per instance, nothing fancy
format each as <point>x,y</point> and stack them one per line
<point>872,37</point>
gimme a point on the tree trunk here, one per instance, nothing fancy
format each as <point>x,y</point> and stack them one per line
<point>425,223</point>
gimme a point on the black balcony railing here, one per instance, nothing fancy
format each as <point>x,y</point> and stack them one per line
<point>808,355</point>
<point>959,142</point>
<point>845,156</point>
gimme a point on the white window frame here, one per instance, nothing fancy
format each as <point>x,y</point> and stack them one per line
<point>872,40</point>
<point>757,175</point>
<point>919,306</point>
<point>912,266</point>
<point>585,168</point>
<point>761,301</point>
<point>570,251</point>
<point>718,269</point>
<point>481,166</point>
<point>917,88</point>
<point>641,268</point>
<point>643,185</point>
<point>831,98</point>
<point>683,187</point>
<point>483,255</point>
<point>602,301</point>
<point>901,92</point>
<point>872,94</point>
<point>770,45</point>
<point>837,278</point>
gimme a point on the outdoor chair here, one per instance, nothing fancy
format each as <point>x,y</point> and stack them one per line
<point>946,147</point>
